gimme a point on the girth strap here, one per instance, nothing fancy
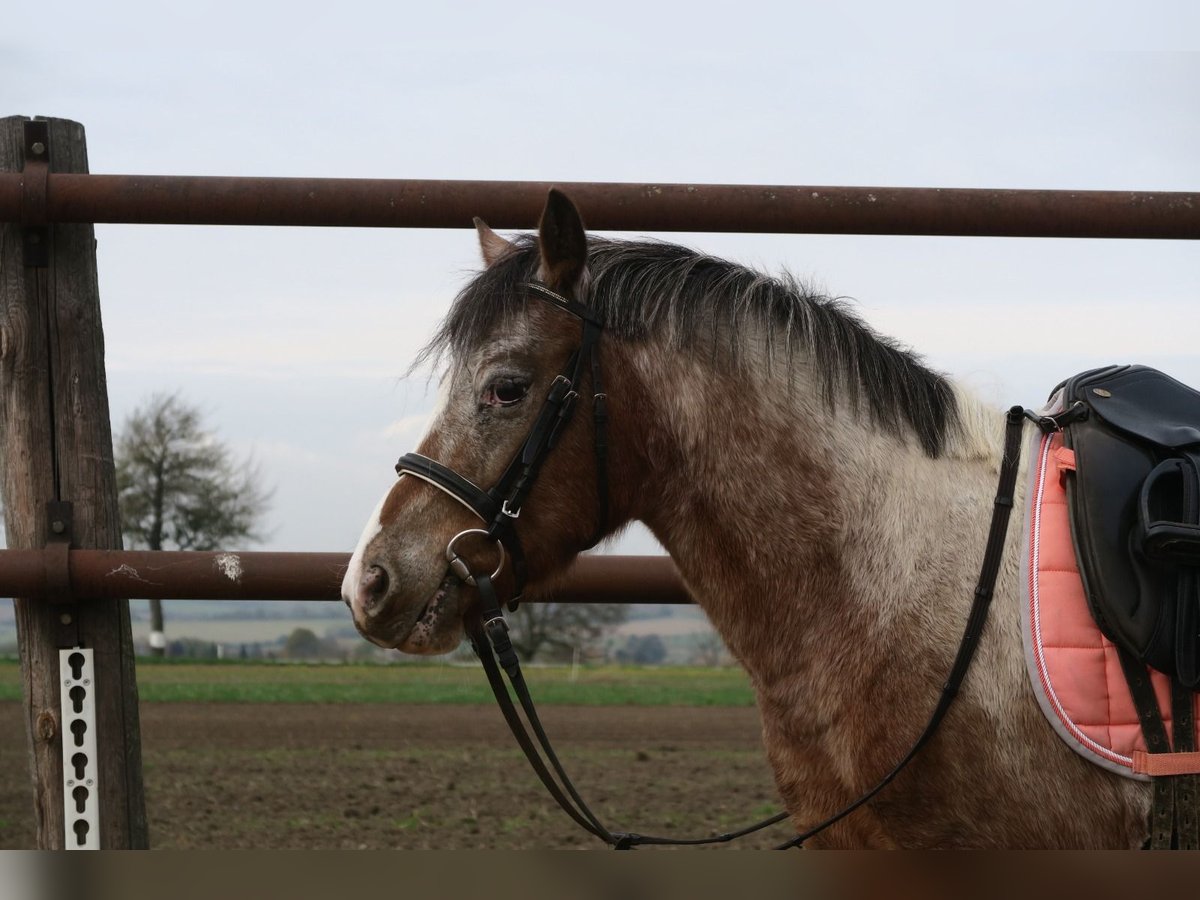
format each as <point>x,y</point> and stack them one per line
<point>1173,811</point>
<point>1187,787</point>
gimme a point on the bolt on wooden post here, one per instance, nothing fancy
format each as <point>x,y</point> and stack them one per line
<point>59,484</point>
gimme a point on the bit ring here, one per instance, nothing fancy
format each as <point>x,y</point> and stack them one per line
<point>459,565</point>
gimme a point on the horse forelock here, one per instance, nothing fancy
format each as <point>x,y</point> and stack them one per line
<point>655,291</point>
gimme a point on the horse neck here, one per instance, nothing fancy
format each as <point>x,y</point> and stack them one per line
<point>807,534</point>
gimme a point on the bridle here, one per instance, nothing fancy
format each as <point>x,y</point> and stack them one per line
<point>500,506</point>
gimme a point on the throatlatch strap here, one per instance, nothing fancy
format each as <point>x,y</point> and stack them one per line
<point>992,555</point>
<point>600,439</point>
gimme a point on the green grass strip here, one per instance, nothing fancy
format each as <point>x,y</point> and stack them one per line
<point>257,682</point>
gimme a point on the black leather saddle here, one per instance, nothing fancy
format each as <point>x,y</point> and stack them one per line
<point>1134,502</point>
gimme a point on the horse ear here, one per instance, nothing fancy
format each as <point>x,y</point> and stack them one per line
<point>563,243</point>
<point>491,245</point>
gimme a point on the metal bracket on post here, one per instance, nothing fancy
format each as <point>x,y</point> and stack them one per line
<point>81,789</point>
<point>35,180</point>
<point>60,519</point>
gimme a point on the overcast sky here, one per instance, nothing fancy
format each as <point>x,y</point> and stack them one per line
<point>294,341</point>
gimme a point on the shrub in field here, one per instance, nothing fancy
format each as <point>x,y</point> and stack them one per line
<point>303,643</point>
<point>644,649</point>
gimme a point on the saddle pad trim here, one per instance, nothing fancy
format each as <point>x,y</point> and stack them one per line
<point>1041,449</point>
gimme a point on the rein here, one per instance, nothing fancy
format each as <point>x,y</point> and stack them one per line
<point>500,506</point>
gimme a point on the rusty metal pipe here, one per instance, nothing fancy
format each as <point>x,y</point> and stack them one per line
<point>168,575</point>
<point>203,200</point>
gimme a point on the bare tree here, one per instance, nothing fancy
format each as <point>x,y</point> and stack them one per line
<point>561,627</point>
<point>181,489</point>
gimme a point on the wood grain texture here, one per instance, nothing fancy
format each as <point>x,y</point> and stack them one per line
<point>57,444</point>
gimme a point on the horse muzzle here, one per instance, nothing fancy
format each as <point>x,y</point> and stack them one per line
<point>389,620</point>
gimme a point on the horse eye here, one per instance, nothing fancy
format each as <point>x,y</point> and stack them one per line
<point>506,391</point>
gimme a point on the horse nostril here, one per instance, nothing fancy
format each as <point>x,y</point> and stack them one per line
<point>373,586</point>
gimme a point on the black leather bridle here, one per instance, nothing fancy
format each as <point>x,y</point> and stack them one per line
<point>500,506</point>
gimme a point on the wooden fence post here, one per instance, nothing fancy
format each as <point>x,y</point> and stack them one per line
<point>56,442</point>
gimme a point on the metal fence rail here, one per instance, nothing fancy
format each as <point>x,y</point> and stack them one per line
<point>38,198</point>
<point>81,575</point>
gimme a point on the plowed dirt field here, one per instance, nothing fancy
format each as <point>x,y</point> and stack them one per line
<point>227,775</point>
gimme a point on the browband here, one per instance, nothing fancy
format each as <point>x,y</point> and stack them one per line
<point>574,307</point>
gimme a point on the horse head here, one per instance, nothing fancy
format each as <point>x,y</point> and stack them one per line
<point>516,340</point>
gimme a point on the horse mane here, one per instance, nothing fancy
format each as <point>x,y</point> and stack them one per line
<point>650,289</point>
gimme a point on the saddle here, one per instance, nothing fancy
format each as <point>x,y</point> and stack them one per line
<point>1134,505</point>
<point>1134,502</point>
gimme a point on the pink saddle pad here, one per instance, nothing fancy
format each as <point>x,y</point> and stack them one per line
<point>1075,669</point>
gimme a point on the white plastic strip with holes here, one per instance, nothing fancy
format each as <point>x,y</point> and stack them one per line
<point>81,796</point>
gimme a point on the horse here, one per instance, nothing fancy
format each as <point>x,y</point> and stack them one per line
<point>824,495</point>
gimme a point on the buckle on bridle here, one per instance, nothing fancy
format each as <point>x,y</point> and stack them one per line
<point>507,510</point>
<point>560,387</point>
<point>496,622</point>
